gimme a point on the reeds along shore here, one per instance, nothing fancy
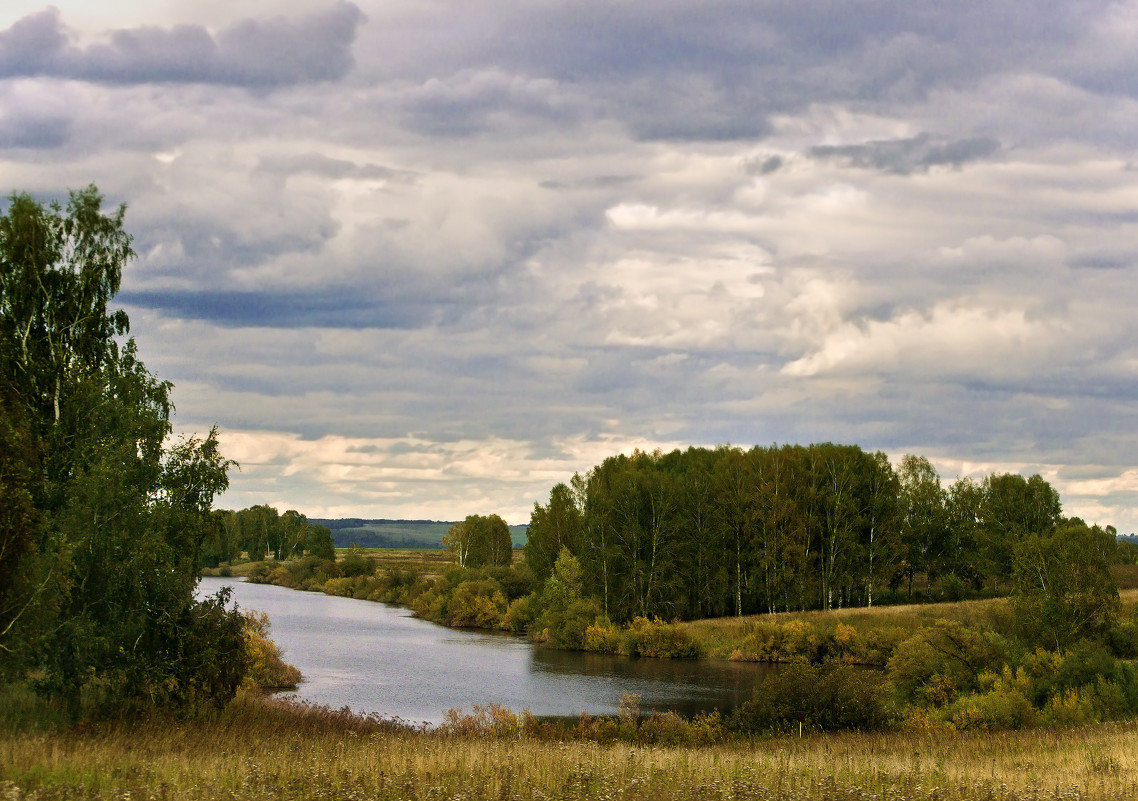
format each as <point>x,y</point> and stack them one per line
<point>267,750</point>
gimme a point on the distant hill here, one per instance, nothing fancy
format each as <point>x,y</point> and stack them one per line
<point>397,533</point>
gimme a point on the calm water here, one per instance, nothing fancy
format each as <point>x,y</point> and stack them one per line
<point>377,658</point>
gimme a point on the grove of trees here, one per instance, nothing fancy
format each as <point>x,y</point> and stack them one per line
<point>259,532</point>
<point>101,517</point>
<point>726,531</point>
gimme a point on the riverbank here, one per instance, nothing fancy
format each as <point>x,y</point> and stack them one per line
<point>266,750</point>
<point>967,666</point>
<point>428,583</point>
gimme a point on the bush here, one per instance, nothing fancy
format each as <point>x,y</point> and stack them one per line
<point>953,588</point>
<point>828,697</point>
<point>1083,665</point>
<point>516,582</point>
<point>492,720</point>
<point>357,563</point>
<point>520,614</point>
<point>655,638</point>
<point>565,628</point>
<point>947,654</point>
<point>1002,707</point>
<point>1123,639</point>
<point>477,604</point>
<point>595,729</point>
<point>602,638</point>
<point>266,667</point>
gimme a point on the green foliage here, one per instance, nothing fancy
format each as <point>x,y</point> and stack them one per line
<point>521,613</point>
<point>936,664</point>
<point>319,543</point>
<point>477,604</point>
<point>356,563</point>
<point>551,528</point>
<point>1002,707</point>
<point>655,638</point>
<point>516,581</point>
<point>101,521</point>
<point>266,668</point>
<point>707,533</point>
<point>480,541</point>
<point>1064,589</point>
<point>828,697</point>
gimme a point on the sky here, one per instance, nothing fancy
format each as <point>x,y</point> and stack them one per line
<point>424,259</point>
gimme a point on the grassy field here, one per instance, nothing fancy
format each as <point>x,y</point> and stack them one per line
<point>262,750</point>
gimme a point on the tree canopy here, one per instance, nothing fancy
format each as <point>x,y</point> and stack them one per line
<point>480,540</point>
<point>712,532</point>
<point>101,518</point>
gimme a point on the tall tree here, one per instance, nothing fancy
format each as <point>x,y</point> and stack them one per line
<point>480,541</point>
<point>551,528</point>
<point>1064,589</point>
<point>923,518</point>
<point>1014,507</point>
<point>111,538</point>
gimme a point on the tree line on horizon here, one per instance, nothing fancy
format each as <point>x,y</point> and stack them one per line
<point>726,531</point>
<point>260,531</point>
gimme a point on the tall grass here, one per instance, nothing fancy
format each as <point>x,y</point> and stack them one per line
<point>266,750</point>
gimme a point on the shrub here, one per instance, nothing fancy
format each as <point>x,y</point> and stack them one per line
<point>492,720</point>
<point>655,638</point>
<point>516,582</point>
<point>947,653</point>
<point>667,729</point>
<point>800,641</point>
<point>357,563</point>
<point>281,577</point>
<point>520,614</point>
<point>266,667</point>
<point>595,729</point>
<point>953,587</point>
<point>1001,707</point>
<point>828,697</point>
<point>602,638</point>
<point>1123,639</point>
<point>1069,708</point>
<point>1083,665</point>
<point>477,604</point>
<point>565,628</point>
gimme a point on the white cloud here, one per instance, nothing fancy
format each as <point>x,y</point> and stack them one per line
<point>952,339</point>
<point>502,247</point>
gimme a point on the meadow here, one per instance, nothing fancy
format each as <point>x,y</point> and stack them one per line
<point>258,749</point>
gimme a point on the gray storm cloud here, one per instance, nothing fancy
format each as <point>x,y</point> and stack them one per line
<point>254,53</point>
<point>424,261</point>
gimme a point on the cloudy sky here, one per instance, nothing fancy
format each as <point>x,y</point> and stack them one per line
<point>425,259</point>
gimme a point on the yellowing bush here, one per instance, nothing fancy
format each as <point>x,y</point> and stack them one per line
<point>267,669</point>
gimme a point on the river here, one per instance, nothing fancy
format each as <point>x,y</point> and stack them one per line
<point>380,659</point>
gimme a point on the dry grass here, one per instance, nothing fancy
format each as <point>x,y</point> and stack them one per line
<point>262,751</point>
<point>721,636</point>
<point>1126,576</point>
<point>429,562</point>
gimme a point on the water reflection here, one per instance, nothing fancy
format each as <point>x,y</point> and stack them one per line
<point>379,659</point>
